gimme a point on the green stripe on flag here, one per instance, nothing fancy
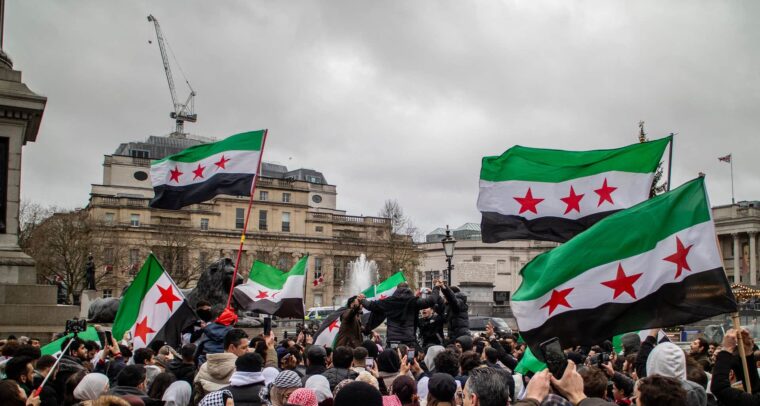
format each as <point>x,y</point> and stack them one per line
<point>622,235</point>
<point>389,283</point>
<point>129,308</point>
<point>273,278</point>
<point>89,334</point>
<point>529,363</point>
<point>248,141</point>
<point>551,165</point>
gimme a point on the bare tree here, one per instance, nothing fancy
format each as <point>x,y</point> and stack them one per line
<point>172,246</point>
<point>61,244</point>
<point>30,216</point>
<point>398,252</point>
<point>657,186</point>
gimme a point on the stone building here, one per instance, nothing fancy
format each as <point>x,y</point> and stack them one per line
<point>294,213</point>
<point>487,273</point>
<point>737,227</point>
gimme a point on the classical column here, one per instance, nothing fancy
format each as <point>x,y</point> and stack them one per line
<point>737,258</point>
<point>752,259</point>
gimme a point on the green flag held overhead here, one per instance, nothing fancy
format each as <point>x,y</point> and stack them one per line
<point>269,290</point>
<point>529,363</point>
<point>385,288</point>
<point>654,265</point>
<point>54,347</point>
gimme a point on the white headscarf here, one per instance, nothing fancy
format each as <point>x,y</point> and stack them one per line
<point>177,394</point>
<point>269,374</point>
<point>430,356</point>
<point>320,386</point>
<point>91,387</point>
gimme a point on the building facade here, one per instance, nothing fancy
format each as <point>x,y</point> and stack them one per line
<point>294,213</point>
<point>737,227</point>
<point>487,273</point>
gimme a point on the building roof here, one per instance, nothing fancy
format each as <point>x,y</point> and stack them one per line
<point>468,227</point>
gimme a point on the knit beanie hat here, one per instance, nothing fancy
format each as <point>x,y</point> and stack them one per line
<point>287,379</point>
<point>442,386</point>
<point>249,362</point>
<point>631,343</point>
<point>303,397</point>
<point>358,393</point>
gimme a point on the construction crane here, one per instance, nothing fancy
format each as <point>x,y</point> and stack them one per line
<point>182,111</point>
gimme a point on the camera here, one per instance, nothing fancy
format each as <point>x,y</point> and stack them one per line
<point>599,359</point>
<point>76,326</point>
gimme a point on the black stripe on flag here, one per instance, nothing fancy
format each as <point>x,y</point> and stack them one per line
<point>695,298</point>
<point>177,197</point>
<point>171,332</point>
<point>496,227</point>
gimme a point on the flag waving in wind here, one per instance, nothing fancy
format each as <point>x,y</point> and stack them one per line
<point>543,194</point>
<point>385,288</point>
<point>153,308</point>
<point>201,172</point>
<point>268,290</point>
<point>656,264</point>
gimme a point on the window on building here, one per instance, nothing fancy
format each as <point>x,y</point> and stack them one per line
<point>204,224</point>
<point>476,258</point>
<point>262,220</point>
<point>139,153</point>
<point>500,298</point>
<point>318,300</point>
<point>286,197</point>
<point>239,217</point>
<point>108,255</point>
<point>501,267</point>
<point>318,265</point>
<point>319,229</point>
<point>203,259</point>
<point>134,220</point>
<point>107,293</point>
<point>109,218</point>
<point>263,195</point>
<point>286,221</point>
<point>134,256</point>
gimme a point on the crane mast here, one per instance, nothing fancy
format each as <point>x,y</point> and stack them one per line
<point>182,111</point>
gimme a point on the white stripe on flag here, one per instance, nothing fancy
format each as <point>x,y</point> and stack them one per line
<point>155,309</point>
<point>499,197</point>
<point>236,162</point>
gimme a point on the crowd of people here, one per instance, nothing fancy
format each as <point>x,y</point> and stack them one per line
<point>428,357</point>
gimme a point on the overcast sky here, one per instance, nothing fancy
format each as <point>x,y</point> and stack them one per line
<point>394,99</point>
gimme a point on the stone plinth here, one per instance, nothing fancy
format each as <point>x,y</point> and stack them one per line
<point>31,310</point>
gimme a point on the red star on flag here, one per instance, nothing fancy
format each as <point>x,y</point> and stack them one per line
<point>558,298</point>
<point>623,283</point>
<point>572,201</point>
<point>167,296</point>
<point>142,330</point>
<point>679,258</point>
<point>334,324</point>
<point>605,193</point>
<point>528,203</point>
<point>222,162</point>
<point>275,294</point>
<point>382,296</point>
<point>315,282</point>
<point>175,174</point>
<point>262,294</point>
<point>198,172</point>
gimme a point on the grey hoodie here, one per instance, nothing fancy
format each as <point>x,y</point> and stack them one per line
<point>667,359</point>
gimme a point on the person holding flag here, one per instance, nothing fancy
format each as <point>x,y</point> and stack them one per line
<point>350,331</point>
<point>401,311</point>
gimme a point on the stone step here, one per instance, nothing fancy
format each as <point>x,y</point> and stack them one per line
<point>37,314</point>
<point>28,294</point>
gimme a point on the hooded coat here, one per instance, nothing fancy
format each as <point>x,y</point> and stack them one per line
<point>667,359</point>
<point>401,311</point>
<point>459,320</point>
<point>214,374</point>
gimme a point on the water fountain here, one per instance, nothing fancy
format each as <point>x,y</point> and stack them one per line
<point>362,274</point>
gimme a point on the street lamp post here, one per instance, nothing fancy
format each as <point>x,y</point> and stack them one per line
<point>448,249</point>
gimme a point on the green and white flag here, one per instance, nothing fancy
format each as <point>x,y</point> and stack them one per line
<point>152,308</point>
<point>201,172</point>
<point>269,290</point>
<point>547,194</point>
<point>385,288</point>
<point>654,265</point>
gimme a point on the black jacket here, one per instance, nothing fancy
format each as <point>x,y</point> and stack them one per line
<point>459,320</point>
<point>431,330</point>
<point>246,395</point>
<point>335,375</point>
<point>401,311</point>
<point>66,367</point>
<point>721,387</point>
<point>183,372</point>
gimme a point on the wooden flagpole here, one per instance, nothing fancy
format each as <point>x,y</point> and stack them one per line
<point>247,217</point>
<point>742,354</point>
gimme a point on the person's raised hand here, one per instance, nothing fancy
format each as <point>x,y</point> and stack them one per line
<point>571,384</point>
<point>747,341</point>
<point>538,386</point>
<point>360,297</point>
<point>269,340</point>
<point>607,367</point>
<point>416,368</point>
<point>309,339</point>
<point>33,399</point>
<point>404,366</point>
<point>729,341</point>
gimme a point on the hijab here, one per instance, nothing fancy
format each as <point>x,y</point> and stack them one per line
<point>430,356</point>
<point>321,387</point>
<point>91,387</point>
<point>177,394</point>
<point>388,361</point>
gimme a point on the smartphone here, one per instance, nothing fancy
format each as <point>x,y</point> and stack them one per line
<point>369,362</point>
<point>410,356</point>
<point>267,326</point>
<point>109,338</point>
<point>554,357</point>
